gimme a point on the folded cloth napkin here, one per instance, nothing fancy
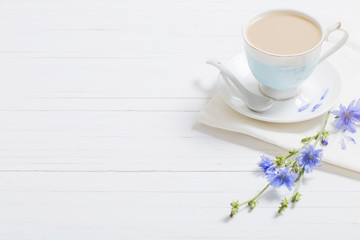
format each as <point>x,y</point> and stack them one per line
<point>347,61</point>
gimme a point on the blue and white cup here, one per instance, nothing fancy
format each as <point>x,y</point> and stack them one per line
<point>281,75</point>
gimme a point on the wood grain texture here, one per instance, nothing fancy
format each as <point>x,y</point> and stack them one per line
<point>98,133</point>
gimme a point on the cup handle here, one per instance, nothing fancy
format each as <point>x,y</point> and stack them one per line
<point>338,45</point>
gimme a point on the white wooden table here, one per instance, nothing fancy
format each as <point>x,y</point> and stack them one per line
<point>98,133</point>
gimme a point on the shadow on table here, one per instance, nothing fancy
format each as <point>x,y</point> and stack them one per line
<point>238,138</point>
<point>208,91</point>
<point>333,169</point>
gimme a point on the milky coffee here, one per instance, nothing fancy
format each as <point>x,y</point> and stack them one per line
<point>284,34</point>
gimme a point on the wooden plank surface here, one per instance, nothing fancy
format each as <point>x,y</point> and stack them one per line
<point>98,132</point>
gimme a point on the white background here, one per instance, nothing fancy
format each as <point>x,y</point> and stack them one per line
<point>98,133</point>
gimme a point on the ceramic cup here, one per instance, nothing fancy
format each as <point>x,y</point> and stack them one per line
<point>281,75</point>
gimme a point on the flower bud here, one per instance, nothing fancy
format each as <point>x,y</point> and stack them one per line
<point>252,204</point>
<point>296,197</point>
<point>283,206</point>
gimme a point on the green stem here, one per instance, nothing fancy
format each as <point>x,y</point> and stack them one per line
<point>290,155</point>
<point>258,195</point>
<point>319,135</point>
<point>322,129</point>
<point>261,192</point>
<point>310,140</point>
<point>300,180</point>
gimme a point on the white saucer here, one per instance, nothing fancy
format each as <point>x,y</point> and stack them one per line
<point>319,93</point>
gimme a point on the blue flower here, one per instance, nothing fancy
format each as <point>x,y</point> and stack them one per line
<point>266,163</point>
<point>281,177</point>
<point>347,117</point>
<point>316,107</point>
<point>349,139</point>
<point>324,141</point>
<point>310,157</point>
<point>304,107</point>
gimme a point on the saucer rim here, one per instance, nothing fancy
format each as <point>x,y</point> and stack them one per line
<point>258,116</point>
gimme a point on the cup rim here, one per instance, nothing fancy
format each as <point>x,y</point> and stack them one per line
<point>252,19</point>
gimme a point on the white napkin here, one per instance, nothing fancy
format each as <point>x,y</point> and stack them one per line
<point>288,136</point>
